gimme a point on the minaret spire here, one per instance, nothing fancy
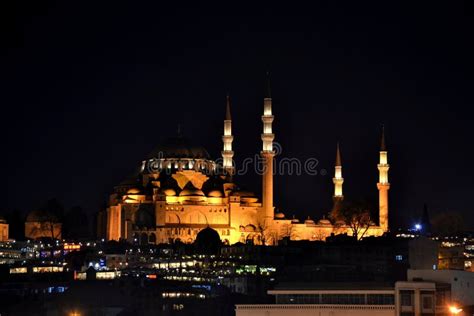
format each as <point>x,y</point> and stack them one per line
<point>338,180</point>
<point>338,156</point>
<point>268,156</point>
<point>227,138</point>
<point>228,117</point>
<point>383,185</point>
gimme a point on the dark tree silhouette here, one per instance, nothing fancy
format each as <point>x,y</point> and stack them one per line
<point>355,214</point>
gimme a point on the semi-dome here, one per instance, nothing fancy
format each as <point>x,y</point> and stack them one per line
<point>179,147</point>
<point>215,193</point>
<point>191,192</point>
<point>169,192</point>
<point>134,191</point>
<point>279,215</point>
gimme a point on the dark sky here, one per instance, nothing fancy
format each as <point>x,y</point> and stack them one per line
<point>89,88</point>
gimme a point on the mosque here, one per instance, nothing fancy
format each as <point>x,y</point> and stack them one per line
<point>178,190</point>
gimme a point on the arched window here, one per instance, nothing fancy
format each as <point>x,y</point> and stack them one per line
<point>152,239</point>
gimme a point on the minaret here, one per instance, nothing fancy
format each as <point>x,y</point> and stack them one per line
<point>338,180</point>
<point>383,185</point>
<point>267,156</point>
<point>227,153</point>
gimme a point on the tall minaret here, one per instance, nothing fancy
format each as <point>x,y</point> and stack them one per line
<point>227,153</point>
<point>383,185</point>
<point>267,155</point>
<point>338,180</point>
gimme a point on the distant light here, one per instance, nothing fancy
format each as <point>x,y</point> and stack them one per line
<point>417,226</point>
<point>454,310</point>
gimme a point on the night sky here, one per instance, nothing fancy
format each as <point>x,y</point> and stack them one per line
<point>89,88</point>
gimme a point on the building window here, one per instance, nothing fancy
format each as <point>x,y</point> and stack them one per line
<point>406,298</point>
<point>380,299</point>
<point>427,302</point>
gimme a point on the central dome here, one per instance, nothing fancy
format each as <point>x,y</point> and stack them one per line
<point>179,147</point>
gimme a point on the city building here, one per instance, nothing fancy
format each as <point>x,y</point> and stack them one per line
<point>461,283</point>
<point>353,299</point>
<point>179,190</point>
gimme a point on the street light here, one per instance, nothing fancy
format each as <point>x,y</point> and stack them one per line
<point>454,310</point>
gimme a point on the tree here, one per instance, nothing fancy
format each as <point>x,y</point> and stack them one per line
<point>50,216</point>
<point>354,214</point>
<point>264,229</point>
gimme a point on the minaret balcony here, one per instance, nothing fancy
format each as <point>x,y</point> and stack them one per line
<point>267,118</point>
<point>268,137</point>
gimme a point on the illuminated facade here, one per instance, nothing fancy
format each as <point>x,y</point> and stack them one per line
<point>179,190</point>
<point>3,229</point>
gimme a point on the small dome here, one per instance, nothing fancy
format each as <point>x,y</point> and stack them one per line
<point>188,192</point>
<point>340,223</point>
<point>309,221</point>
<point>249,199</point>
<point>295,221</point>
<point>215,193</point>
<point>280,215</point>
<point>2,219</point>
<point>134,191</point>
<point>169,192</point>
<point>324,221</point>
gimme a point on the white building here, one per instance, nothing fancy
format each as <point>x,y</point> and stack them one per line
<point>405,298</point>
<point>461,283</point>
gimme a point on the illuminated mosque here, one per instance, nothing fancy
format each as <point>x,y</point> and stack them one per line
<point>179,191</point>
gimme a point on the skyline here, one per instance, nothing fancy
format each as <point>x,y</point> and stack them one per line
<point>97,103</point>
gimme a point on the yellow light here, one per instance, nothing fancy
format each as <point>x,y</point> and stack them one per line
<point>454,310</point>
